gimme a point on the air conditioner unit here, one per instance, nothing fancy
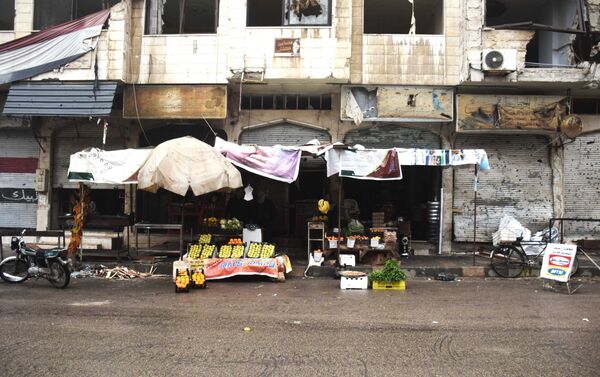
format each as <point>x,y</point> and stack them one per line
<point>499,60</point>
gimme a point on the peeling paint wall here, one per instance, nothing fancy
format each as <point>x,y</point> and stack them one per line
<point>593,11</point>
<point>407,59</point>
<point>210,58</point>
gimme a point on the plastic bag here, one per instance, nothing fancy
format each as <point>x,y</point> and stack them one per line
<point>355,227</point>
<point>510,223</point>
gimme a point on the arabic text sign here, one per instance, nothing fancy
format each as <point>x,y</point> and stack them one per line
<point>217,268</point>
<point>558,261</point>
<point>14,195</point>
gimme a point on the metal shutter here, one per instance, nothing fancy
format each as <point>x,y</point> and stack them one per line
<point>19,153</point>
<point>519,184</point>
<point>284,134</point>
<point>392,135</point>
<point>582,185</point>
<point>73,139</point>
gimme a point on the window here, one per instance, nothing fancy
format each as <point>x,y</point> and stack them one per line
<point>586,106</point>
<point>49,13</point>
<point>394,17</point>
<point>7,15</point>
<point>286,102</point>
<point>181,16</point>
<point>288,13</point>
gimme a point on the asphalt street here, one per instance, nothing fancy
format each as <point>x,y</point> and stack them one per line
<point>302,327</point>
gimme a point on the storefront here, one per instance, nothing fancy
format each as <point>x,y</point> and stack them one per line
<point>19,153</point>
<point>407,199</point>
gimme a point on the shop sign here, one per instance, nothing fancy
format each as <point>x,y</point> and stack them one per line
<point>14,195</point>
<point>558,261</point>
<point>287,46</point>
<point>397,103</point>
<point>216,268</point>
<point>175,102</point>
<point>493,112</point>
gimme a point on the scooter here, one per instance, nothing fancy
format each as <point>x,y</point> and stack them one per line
<point>35,263</point>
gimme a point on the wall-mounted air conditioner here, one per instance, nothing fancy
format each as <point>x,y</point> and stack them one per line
<point>499,60</point>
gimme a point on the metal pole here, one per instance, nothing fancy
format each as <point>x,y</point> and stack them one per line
<point>339,216</point>
<point>441,221</point>
<point>475,213</point>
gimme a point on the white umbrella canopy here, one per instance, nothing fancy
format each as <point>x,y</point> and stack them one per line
<point>180,164</point>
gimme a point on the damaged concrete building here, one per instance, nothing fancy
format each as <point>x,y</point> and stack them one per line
<point>503,75</point>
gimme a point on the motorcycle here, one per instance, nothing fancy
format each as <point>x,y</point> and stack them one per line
<point>35,263</point>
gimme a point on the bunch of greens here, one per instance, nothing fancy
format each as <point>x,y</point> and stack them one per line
<point>390,273</point>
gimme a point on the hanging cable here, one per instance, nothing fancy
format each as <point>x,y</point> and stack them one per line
<point>137,115</point>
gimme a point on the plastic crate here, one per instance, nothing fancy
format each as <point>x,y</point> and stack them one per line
<point>360,282</point>
<point>347,260</point>
<point>392,285</point>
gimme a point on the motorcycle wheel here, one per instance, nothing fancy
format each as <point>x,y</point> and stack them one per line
<point>14,270</point>
<point>60,275</point>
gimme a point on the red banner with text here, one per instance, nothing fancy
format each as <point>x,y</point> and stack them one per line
<point>217,268</point>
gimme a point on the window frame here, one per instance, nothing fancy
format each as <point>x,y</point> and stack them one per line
<point>283,17</point>
<point>73,16</point>
<point>14,12</point>
<point>148,34</point>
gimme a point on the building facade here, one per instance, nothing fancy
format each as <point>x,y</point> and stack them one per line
<point>421,74</point>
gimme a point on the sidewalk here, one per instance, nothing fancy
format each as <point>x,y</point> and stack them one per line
<point>458,265</point>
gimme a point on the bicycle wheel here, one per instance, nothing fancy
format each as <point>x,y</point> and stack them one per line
<point>508,261</point>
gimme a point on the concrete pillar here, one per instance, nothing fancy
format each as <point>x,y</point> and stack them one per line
<point>557,161</point>
<point>448,186</point>
<point>44,162</point>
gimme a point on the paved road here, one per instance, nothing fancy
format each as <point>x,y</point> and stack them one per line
<point>299,328</point>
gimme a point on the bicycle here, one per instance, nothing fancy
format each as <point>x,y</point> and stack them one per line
<point>509,260</point>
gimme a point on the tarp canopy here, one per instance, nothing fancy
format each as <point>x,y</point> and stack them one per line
<point>94,165</point>
<point>187,163</point>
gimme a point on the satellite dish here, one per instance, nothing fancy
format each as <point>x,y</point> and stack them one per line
<point>494,59</point>
<point>571,126</point>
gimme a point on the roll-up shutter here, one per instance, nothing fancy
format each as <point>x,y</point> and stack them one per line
<point>284,134</point>
<point>519,184</point>
<point>582,186</point>
<point>392,135</point>
<point>73,139</point>
<point>19,153</point>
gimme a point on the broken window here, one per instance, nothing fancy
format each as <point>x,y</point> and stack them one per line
<point>288,13</point>
<point>49,13</point>
<point>286,102</point>
<point>586,106</point>
<point>7,15</point>
<point>181,16</point>
<point>404,17</point>
<point>560,29</point>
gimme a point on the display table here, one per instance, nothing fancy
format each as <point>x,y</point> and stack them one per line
<point>219,268</point>
<point>367,254</point>
<point>147,228</point>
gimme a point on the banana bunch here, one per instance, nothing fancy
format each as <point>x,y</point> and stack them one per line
<point>205,238</point>
<point>237,251</point>
<point>225,251</point>
<point>207,251</point>
<point>194,252</point>
<point>323,206</point>
<point>254,250</point>
<point>267,251</point>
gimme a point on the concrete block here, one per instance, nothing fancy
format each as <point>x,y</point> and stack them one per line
<point>473,271</point>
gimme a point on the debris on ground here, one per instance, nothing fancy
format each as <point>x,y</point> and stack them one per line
<point>118,272</point>
<point>445,276</point>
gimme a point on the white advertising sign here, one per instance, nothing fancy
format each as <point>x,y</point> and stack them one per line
<point>558,262</point>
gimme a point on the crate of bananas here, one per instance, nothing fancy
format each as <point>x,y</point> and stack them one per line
<point>237,251</point>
